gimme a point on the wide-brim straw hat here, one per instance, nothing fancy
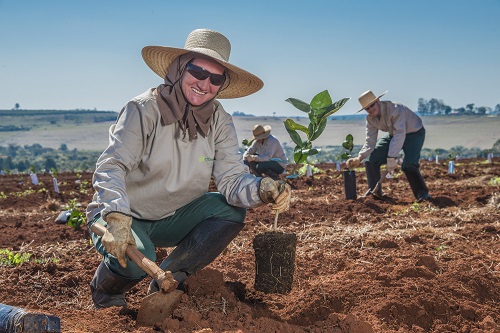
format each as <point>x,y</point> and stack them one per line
<point>209,43</point>
<point>261,132</point>
<point>368,98</point>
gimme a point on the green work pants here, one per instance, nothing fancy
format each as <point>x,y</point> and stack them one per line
<point>411,148</point>
<point>168,232</point>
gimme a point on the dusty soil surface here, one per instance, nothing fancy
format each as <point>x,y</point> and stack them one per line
<point>361,266</point>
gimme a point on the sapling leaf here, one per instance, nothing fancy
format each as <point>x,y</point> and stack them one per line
<point>334,107</point>
<point>319,130</point>
<point>349,137</point>
<point>290,124</point>
<point>301,105</point>
<point>345,155</point>
<point>347,145</point>
<point>321,100</point>
<point>311,152</point>
<point>295,137</point>
<point>299,157</point>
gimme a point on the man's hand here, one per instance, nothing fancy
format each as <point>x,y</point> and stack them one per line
<point>118,236</point>
<point>353,163</point>
<point>251,158</point>
<point>277,192</point>
<point>391,165</point>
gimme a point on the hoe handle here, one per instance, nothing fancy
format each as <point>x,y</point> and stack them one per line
<point>164,279</point>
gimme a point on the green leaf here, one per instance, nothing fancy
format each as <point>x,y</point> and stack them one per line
<point>299,158</point>
<point>295,137</point>
<point>321,100</point>
<point>331,109</point>
<point>349,137</point>
<point>345,156</point>
<point>319,130</point>
<point>347,145</point>
<point>301,105</point>
<point>290,124</point>
<point>311,152</point>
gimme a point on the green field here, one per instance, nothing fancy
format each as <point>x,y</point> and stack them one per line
<point>442,132</point>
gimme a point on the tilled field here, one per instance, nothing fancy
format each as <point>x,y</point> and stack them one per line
<point>361,266</point>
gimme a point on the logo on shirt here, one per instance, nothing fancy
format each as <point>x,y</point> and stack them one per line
<point>205,159</point>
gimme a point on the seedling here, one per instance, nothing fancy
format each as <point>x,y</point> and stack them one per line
<point>9,258</point>
<point>77,218</point>
<point>318,111</point>
<point>348,145</point>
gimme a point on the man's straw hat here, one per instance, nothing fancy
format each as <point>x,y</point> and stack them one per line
<point>209,43</point>
<point>367,98</point>
<point>261,132</point>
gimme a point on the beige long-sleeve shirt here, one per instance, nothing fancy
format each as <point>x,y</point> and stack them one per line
<point>270,148</point>
<point>397,120</point>
<point>149,170</point>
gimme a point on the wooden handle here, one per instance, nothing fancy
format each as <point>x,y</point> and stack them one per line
<point>164,279</point>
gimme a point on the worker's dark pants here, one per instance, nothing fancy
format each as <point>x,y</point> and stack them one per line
<point>170,231</point>
<point>271,168</point>
<point>411,147</point>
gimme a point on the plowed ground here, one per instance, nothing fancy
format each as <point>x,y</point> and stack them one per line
<point>362,265</point>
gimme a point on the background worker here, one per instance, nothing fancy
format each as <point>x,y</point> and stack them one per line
<point>264,147</point>
<point>167,144</point>
<point>404,131</point>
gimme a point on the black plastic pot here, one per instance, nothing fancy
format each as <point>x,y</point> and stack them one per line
<point>15,320</point>
<point>274,261</point>
<point>350,184</point>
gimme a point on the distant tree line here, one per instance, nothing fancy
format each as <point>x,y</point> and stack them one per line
<point>40,159</point>
<point>438,107</point>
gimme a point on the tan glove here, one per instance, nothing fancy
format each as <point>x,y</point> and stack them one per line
<point>353,163</point>
<point>118,236</point>
<point>391,165</point>
<point>277,192</point>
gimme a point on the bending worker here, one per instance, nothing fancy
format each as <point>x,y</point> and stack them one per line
<point>265,147</point>
<point>404,131</point>
<point>167,144</point>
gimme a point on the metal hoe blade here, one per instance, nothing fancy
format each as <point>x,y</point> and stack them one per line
<point>155,308</point>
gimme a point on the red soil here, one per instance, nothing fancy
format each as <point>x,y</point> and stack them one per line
<point>361,266</point>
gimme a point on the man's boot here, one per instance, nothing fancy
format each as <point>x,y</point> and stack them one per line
<point>372,177</point>
<point>417,184</point>
<point>198,249</point>
<point>108,289</point>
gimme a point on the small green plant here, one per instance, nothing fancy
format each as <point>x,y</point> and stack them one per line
<point>495,181</point>
<point>247,143</point>
<point>441,250</point>
<point>76,218</point>
<point>318,111</point>
<point>9,258</point>
<point>348,145</point>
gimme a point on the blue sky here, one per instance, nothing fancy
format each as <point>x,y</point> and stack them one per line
<point>61,54</point>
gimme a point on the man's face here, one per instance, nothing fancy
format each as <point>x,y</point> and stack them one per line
<point>373,109</point>
<point>200,91</point>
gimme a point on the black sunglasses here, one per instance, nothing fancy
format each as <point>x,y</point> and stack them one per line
<point>200,73</point>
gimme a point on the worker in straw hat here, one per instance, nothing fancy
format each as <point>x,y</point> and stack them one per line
<point>167,144</point>
<point>265,147</point>
<point>404,132</point>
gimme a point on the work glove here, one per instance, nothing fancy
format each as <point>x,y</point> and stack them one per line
<point>391,165</point>
<point>118,236</point>
<point>353,163</point>
<point>277,192</point>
